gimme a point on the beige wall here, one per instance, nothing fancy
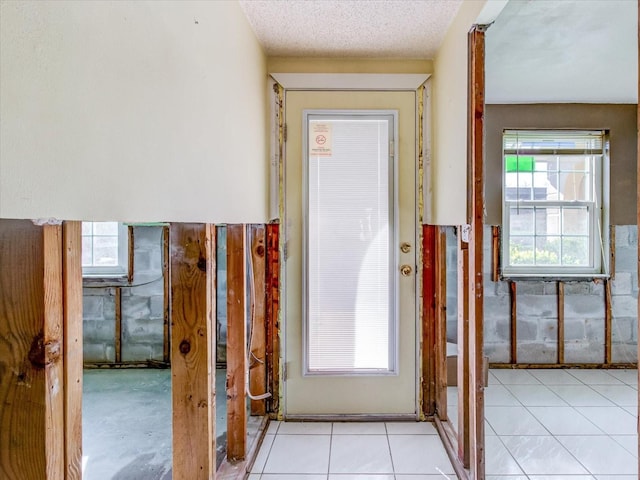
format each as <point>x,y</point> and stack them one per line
<point>133,111</point>
<point>446,199</point>
<point>620,120</point>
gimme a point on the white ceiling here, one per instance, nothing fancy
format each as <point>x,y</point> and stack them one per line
<point>537,51</point>
<point>541,51</point>
<point>351,28</point>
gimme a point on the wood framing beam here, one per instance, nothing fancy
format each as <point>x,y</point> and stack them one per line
<point>463,351</point>
<point>118,329</point>
<point>638,227</point>
<point>272,312</point>
<point>428,320</point>
<point>32,374</point>
<point>475,143</point>
<point>612,252</point>
<point>72,334</point>
<point>257,363</point>
<point>440,277</point>
<point>192,350</point>
<point>560,322</point>
<point>236,344</point>
<point>513,323</point>
<point>575,366</point>
<point>608,322</point>
<point>495,253</point>
<point>166,352</point>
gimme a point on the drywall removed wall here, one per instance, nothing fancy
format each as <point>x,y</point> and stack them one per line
<point>537,310</point>
<point>132,111</point>
<point>142,308</point>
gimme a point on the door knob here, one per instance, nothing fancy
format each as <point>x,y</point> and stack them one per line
<point>406,270</point>
<point>405,247</point>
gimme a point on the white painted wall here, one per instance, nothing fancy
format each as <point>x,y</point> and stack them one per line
<point>446,202</point>
<point>132,111</point>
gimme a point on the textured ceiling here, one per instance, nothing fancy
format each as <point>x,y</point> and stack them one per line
<point>351,28</point>
<point>563,51</point>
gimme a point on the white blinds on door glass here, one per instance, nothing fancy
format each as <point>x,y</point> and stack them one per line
<point>350,287</point>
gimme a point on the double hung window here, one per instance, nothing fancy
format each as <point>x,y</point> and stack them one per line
<point>554,203</point>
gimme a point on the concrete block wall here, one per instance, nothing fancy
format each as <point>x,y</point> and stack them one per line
<point>537,310</point>
<point>142,307</point>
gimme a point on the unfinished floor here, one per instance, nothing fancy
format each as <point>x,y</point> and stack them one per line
<point>127,423</point>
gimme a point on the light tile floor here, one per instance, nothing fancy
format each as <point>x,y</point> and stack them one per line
<point>560,424</point>
<point>351,451</point>
<point>539,425</point>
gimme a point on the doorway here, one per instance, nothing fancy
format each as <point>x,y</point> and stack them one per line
<point>350,256</point>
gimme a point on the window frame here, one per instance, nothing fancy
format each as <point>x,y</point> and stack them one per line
<point>598,215</point>
<point>113,271</point>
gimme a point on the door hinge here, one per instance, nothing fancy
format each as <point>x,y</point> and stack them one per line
<point>284,132</point>
<point>391,149</point>
<point>285,371</point>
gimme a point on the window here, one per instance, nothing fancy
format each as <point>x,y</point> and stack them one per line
<point>554,203</point>
<point>105,248</point>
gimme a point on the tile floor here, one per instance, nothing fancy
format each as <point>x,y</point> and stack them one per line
<point>560,424</point>
<point>351,451</point>
<point>540,425</point>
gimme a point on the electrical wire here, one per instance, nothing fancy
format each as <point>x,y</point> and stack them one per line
<point>250,353</point>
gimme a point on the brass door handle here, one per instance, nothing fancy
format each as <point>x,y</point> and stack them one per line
<point>406,270</point>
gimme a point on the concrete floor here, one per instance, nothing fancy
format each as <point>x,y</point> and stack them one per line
<point>127,424</point>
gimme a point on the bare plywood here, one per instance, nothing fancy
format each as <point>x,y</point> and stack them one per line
<point>72,285</point>
<point>192,351</point>
<point>236,344</point>
<point>257,358</point>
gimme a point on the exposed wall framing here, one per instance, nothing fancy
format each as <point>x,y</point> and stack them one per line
<point>257,344</point>
<point>192,350</point>
<point>440,277</point>
<point>463,352</point>
<point>428,349</point>
<point>272,312</point>
<point>560,322</point>
<point>475,142</point>
<point>40,351</point>
<point>236,343</point>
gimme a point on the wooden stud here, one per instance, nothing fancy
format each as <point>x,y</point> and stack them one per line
<point>166,352</point>
<point>272,309</point>
<point>32,396</point>
<point>513,329</point>
<point>495,253</point>
<point>440,272</point>
<point>608,322</point>
<point>638,227</point>
<point>428,320</point>
<point>475,140</point>
<point>72,286</point>
<point>236,344</point>
<point>257,364</point>
<point>463,352</point>
<point>118,333</point>
<point>192,350</point>
<point>560,322</point>
<point>131,258</point>
<point>612,251</point>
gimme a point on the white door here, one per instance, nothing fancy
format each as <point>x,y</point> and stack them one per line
<point>350,312</point>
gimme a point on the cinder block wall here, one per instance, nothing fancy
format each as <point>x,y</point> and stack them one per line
<point>142,307</point>
<point>537,310</point>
